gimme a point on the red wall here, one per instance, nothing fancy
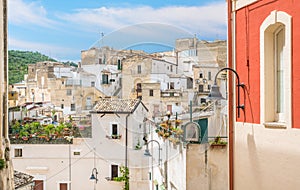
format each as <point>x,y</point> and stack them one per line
<point>248,21</point>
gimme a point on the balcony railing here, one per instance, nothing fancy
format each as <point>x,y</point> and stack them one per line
<point>173,93</point>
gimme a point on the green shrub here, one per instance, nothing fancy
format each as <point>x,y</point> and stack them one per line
<point>2,164</point>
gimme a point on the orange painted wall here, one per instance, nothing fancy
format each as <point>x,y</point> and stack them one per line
<point>248,21</point>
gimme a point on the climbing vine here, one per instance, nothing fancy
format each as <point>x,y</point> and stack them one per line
<point>124,177</point>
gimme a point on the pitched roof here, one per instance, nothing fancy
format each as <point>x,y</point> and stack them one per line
<point>117,106</point>
<point>22,179</point>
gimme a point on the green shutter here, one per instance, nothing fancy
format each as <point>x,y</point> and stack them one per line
<point>203,125</point>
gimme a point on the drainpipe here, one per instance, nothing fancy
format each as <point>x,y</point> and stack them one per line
<point>231,88</point>
<point>126,142</point>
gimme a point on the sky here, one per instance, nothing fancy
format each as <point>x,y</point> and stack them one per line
<point>62,29</point>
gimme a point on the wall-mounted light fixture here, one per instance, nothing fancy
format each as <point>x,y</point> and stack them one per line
<point>94,175</point>
<point>215,93</point>
<point>147,152</point>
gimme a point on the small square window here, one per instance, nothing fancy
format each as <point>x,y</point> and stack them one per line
<point>209,75</point>
<point>171,85</point>
<point>201,88</point>
<point>18,152</point>
<point>73,107</point>
<point>69,92</point>
<point>139,69</point>
<point>76,153</point>
<point>150,92</point>
<point>105,79</point>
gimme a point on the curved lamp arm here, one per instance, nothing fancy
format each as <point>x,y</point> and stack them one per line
<point>239,106</point>
<point>147,153</point>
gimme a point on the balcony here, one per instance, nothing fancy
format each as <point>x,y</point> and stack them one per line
<point>171,93</point>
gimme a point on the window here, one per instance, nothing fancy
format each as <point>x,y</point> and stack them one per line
<point>92,84</point>
<point>62,82</point>
<point>209,75</point>
<point>73,107</point>
<point>100,61</point>
<point>169,108</point>
<point>208,87</point>
<point>76,153</point>
<point>114,171</point>
<point>201,88</point>
<point>155,110</point>
<point>62,106</point>
<point>89,103</point>
<point>69,92</point>
<point>275,70</point>
<point>63,186</point>
<point>200,75</point>
<point>171,68</point>
<point>150,92</point>
<point>139,69</point>
<point>104,79</point>
<point>18,152</point>
<point>38,185</point>
<point>171,85</point>
<point>119,64</point>
<point>203,100</point>
<point>138,87</point>
<point>114,130</point>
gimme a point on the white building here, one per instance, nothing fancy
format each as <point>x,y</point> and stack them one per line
<point>117,136</point>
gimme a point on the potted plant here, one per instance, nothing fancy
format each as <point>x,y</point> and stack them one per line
<point>138,145</point>
<point>218,142</point>
<point>118,136</point>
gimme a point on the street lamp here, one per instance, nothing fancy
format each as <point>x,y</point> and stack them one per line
<point>147,152</point>
<point>215,93</point>
<point>94,175</point>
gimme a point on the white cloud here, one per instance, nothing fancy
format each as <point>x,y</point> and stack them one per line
<point>53,51</point>
<point>209,19</point>
<point>21,13</point>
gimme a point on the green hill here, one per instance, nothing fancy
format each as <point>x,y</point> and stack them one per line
<point>18,61</point>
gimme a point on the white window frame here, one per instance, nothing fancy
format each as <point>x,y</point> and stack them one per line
<point>275,20</point>
<point>60,182</point>
<point>40,178</point>
<point>111,128</point>
<point>110,169</point>
<point>18,149</point>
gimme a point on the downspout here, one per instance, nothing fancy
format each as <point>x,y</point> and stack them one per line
<point>126,141</point>
<point>231,109</point>
<point>126,145</point>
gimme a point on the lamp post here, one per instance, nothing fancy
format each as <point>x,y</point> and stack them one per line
<point>215,93</point>
<point>94,175</point>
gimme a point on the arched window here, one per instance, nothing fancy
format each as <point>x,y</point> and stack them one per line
<point>275,70</point>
